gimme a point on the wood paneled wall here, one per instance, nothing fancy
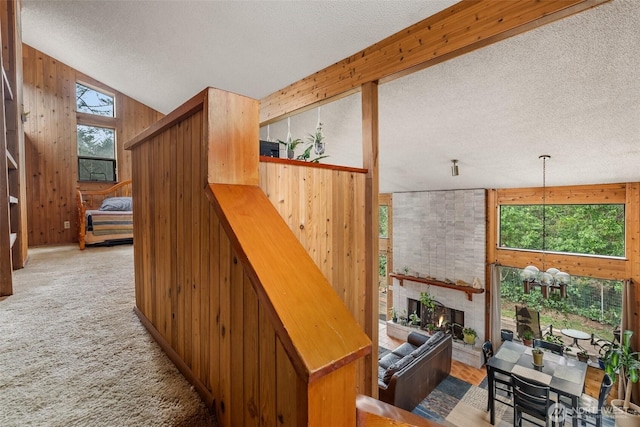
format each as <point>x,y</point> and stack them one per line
<point>51,147</point>
<point>231,308</point>
<point>324,209</point>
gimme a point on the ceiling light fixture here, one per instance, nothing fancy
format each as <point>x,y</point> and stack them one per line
<point>552,278</point>
<point>454,168</point>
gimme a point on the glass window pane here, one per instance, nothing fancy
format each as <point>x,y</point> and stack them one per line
<point>93,102</point>
<point>578,229</point>
<point>95,141</point>
<point>592,305</point>
<point>96,170</point>
<point>384,221</point>
<point>382,266</point>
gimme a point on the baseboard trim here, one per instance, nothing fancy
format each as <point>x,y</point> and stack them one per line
<point>202,390</point>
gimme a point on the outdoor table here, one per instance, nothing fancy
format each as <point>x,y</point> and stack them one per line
<point>576,335</point>
<point>563,375</point>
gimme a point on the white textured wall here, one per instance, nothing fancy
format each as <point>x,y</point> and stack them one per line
<point>441,234</point>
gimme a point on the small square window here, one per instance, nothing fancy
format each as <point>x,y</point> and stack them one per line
<point>91,101</point>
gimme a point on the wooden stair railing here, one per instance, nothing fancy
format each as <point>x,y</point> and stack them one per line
<point>224,285</point>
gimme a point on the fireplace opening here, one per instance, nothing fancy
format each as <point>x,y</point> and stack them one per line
<point>440,317</point>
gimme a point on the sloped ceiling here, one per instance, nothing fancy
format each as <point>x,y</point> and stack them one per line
<point>570,89</point>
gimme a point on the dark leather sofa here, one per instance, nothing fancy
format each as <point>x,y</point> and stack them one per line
<point>410,372</point>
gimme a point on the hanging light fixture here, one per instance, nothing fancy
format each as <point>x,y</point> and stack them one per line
<point>552,278</point>
<point>454,168</point>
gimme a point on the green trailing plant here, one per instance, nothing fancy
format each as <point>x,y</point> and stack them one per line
<point>622,363</point>
<point>427,301</point>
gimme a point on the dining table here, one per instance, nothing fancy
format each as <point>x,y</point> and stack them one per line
<point>564,375</point>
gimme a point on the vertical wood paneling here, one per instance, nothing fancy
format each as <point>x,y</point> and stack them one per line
<point>267,368</point>
<point>325,210</point>
<point>289,409</point>
<point>250,356</point>
<point>225,336</point>
<point>51,147</point>
<point>236,332</point>
<point>195,292</point>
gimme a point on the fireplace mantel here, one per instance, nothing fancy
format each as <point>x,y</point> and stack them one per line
<point>466,289</point>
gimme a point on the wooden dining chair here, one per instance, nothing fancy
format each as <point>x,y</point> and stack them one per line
<point>531,399</point>
<point>548,345</point>
<point>501,382</point>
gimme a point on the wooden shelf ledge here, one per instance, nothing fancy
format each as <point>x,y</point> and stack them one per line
<point>466,289</point>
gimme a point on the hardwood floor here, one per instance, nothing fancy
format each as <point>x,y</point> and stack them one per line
<point>475,376</point>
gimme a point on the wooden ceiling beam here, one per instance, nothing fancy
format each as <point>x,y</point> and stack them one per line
<point>461,28</point>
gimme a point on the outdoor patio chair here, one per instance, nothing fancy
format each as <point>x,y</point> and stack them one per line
<point>527,318</point>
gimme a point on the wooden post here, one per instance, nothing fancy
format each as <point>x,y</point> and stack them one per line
<point>370,162</point>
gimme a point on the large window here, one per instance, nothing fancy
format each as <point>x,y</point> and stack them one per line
<point>96,135</point>
<point>577,229</point>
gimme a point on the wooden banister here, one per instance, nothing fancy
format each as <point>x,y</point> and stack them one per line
<point>318,332</point>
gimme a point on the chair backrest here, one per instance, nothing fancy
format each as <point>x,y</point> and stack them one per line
<point>528,319</point>
<point>547,345</point>
<point>530,398</point>
<point>605,389</point>
<point>506,335</point>
<point>487,353</point>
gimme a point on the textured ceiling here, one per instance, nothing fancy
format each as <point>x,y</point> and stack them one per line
<point>570,89</point>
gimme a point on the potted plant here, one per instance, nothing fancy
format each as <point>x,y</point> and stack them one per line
<point>537,354</point>
<point>620,362</point>
<point>470,335</point>
<point>583,356</point>
<point>527,337</point>
<point>291,146</point>
<point>415,320</point>
<point>405,270</point>
<point>394,315</point>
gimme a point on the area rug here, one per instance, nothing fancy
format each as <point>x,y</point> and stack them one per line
<point>455,402</point>
<point>73,353</point>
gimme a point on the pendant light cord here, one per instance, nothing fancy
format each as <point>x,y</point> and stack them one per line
<point>544,158</point>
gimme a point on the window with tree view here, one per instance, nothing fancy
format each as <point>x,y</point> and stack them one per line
<point>592,305</point>
<point>96,140</point>
<point>577,229</point>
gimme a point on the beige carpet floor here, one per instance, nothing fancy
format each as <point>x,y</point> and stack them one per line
<point>73,353</point>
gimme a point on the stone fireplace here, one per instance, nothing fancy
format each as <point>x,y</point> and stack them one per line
<point>441,234</point>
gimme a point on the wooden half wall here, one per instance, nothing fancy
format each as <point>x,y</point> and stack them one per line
<point>226,288</point>
<point>51,144</point>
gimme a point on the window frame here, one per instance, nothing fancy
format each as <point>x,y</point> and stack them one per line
<point>579,265</point>
<point>96,120</point>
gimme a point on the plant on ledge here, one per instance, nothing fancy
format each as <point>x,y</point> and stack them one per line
<point>470,335</point>
<point>394,315</point>
<point>415,320</point>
